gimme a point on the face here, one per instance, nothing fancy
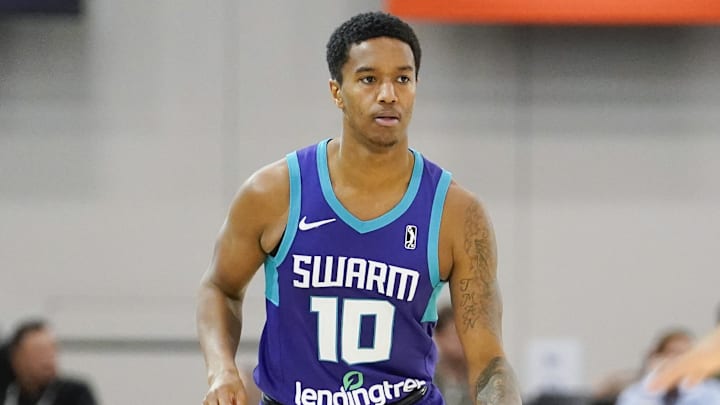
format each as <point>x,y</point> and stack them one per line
<point>35,360</point>
<point>378,91</point>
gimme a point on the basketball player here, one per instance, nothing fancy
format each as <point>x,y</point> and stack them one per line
<point>357,234</point>
<point>701,362</point>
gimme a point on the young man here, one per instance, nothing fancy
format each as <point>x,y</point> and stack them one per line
<point>358,234</point>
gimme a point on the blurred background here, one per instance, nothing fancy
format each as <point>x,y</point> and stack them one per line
<point>127,126</point>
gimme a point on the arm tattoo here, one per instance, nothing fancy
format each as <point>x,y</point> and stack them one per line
<point>496,385</point>
<point>480,301</point>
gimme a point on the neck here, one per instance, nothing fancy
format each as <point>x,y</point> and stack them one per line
<point>370,165</point>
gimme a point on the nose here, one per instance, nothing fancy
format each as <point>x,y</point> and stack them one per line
<point>387,93</point>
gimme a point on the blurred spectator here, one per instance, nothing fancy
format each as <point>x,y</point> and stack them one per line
<point>6,373</point>
<point>669,346</point>
<point>451,371</point>
<point>33,358</point>
<point>692,367</point>
<point>609,388</point>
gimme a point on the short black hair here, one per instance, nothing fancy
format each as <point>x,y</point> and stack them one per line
<point>23,330</point>
<point>363,27</point>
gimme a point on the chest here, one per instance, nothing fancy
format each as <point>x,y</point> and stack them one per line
<point>368,204</point>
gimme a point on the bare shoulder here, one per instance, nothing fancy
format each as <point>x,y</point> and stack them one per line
<point>464,216</point>
<point>260,208</point>
<point>268,181</point>
<point>253,226</point>
<point>459,200</point>
<point>264,195</point>
<point>465,228</point>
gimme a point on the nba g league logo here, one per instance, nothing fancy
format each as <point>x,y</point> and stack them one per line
<point>410,237</point>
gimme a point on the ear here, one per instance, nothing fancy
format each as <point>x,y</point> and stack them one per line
<point>336,93</point>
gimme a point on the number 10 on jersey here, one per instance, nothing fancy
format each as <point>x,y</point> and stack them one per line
<point>353,310</point>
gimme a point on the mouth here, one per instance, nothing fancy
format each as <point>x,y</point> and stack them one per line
<point>388,119</point>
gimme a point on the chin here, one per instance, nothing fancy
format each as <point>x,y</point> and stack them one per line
<point>384,140</point>
<point>384,143</point>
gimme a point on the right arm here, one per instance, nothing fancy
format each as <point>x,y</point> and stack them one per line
<point>252,228</point>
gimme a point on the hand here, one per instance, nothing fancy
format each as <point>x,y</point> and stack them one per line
<point>690,368</point>
<point>226,388</point>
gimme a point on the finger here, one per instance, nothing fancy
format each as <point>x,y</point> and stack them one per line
<point>661,384</point>
<point>692,380</point>
<point>240,398</point>
<point>225,397</point>
<point>210,399</point>
<point>663,378</point>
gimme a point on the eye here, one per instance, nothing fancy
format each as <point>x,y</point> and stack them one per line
<point>404,79</point>
<point>367,79</point>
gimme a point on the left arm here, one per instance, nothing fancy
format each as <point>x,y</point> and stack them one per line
<point>476,299</point>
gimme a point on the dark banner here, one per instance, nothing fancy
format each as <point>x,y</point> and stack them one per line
<point>40,6</point>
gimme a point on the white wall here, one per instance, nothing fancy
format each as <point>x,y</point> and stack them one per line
<point>124,134</point>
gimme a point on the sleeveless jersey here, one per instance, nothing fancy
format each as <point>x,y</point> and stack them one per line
<point>351,304</point>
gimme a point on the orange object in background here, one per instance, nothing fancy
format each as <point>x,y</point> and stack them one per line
<point>606,12</point>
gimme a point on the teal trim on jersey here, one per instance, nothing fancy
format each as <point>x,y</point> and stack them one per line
<point>350,219</point>
<point>434,228</point>
<point>433,244</point>
<point>431,314</point>
<point>272,292</point>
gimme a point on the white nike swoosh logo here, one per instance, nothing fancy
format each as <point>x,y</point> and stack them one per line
<point>304,226</point>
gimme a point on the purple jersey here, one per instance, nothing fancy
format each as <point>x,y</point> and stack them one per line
<point>351,304</point>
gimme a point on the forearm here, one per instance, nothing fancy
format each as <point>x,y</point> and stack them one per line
<point>219,322</point>
<point>496,384</point>
<point>478,312</point>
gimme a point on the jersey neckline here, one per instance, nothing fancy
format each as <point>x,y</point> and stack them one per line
<point>376,223</point>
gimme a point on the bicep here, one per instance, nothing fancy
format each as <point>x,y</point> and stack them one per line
<point>236,258</point>
<point>238,253</point>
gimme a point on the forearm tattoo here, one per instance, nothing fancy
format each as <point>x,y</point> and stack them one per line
<point>497,385</point>
<point>479,297</point>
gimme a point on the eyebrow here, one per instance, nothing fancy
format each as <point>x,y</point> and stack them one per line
<point>363,69</point>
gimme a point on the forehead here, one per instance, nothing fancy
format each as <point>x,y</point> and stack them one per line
<point>380,53</point>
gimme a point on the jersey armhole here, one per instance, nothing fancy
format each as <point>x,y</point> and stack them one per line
<point>272,292</point>
<point>436,211</point>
